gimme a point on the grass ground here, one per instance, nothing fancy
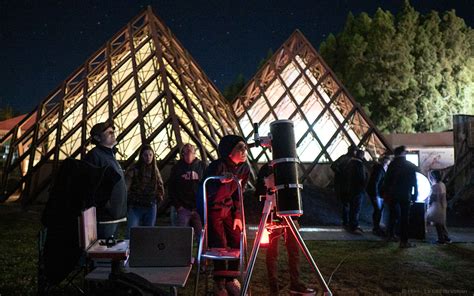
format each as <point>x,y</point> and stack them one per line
<point>353,267</point>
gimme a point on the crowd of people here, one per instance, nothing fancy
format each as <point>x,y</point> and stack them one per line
<point>136,194</point>
<point>392,188</point>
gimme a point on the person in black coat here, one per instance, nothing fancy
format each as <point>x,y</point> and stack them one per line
<point>111,206</point>
<point>224,206</point>
<point>400,187</point>
<point>338,167</point>
<point>357,177</point>
<point>183,186</point>
<point>374,188</point>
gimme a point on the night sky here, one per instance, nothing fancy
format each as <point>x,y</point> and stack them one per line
<point>43,42</point>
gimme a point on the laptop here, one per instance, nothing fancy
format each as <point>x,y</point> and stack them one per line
<point>160,246</point>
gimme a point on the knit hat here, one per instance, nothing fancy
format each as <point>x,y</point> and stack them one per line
<point>228,143</point>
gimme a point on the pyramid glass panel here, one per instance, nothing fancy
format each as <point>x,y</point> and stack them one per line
<point>97,96</point>
<point>299,86</point>
<point>128,80</point>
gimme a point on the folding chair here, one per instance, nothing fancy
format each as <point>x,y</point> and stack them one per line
<point>205,253</point>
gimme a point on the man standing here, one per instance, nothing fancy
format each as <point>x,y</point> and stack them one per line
<point>356,182</point>
<point>183,187</point>
<point>266,185</point>
<point>224,204</point>
<point>111,206</point>
<point>401,187</point>
<point>374,187</point>
<point>339,166</point>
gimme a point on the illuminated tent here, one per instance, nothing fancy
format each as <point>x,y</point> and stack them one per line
<point>297,84</point>
<point>146,82</point>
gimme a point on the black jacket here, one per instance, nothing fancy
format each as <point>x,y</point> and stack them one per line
<point>377,176</point>
<point>73,189</point>
<point>183,183</point>
<point>110,205</point>
<point>400,180</point>
<point>220,195</point>
<point>356,177</point>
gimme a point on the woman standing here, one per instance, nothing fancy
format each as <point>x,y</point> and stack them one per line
<point>145,190</point>
<point>437,207</point>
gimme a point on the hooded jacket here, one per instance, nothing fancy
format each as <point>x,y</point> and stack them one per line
<point>183,183</point>
<point>225,195</point>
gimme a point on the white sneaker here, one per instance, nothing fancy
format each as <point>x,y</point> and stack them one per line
<point>233,287</point>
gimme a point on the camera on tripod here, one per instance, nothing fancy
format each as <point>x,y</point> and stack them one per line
<point>281,141</point>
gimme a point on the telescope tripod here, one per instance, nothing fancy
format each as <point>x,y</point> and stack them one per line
<point>287,222</point>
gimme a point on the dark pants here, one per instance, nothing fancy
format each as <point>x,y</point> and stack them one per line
<point>377,204</point>
<point>293,256</point>
<point>186,217</point>
<point>221,235</point>
<point>351,210</point>
<point>404,207</point>
<point>442,232</point>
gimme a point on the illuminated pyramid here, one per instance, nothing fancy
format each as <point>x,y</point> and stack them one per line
<point>297,84</point>
<point>146,82</point>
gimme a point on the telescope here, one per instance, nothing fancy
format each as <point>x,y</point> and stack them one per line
<point>281,140</point>
<point>287,192</point>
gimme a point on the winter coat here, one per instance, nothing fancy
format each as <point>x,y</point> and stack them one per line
<point>110,205</point>
<point>144,191</point>
<point>225,195</point>
<point>356,175</point>
<point>400,180</point>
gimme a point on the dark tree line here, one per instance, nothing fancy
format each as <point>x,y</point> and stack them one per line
<point>410,72</point>
<point>234,88</point>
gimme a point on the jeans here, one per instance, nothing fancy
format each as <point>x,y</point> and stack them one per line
<point>140,216</point>
<point>173,216</point>
<point>190,218</point>
<point>351,211</point>
<point>377,203</point>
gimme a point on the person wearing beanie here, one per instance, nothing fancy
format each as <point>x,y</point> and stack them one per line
<point>224,204</point>
<point>111,206</point>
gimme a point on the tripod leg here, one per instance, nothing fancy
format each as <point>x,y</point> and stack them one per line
<point>256,245</point>
<point>306,252</point>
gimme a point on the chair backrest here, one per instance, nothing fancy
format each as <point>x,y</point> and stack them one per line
<point>87,228</point>
<point>204,205</point>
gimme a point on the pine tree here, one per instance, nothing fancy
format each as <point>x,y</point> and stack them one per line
<point>411,72</point>
<point>233,89</point>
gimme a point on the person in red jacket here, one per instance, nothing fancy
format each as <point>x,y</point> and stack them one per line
<point>224,207</point>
